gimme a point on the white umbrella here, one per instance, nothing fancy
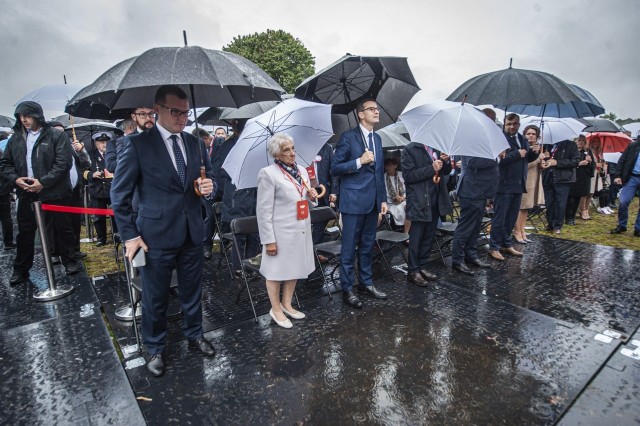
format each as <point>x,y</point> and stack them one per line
<point>308,123</point>
<point>455,129</point>
<point>393,135</point>
<point>52,98</point>
<point>554,129</point>
<point>634,128</point>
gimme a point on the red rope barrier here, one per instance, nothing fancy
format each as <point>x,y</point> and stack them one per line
<point>81,210</point>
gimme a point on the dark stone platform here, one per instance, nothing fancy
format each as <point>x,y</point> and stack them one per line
<point>522,343</point>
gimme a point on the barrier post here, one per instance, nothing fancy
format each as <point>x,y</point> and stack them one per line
<point>53,292</point>
<point>87,219</point>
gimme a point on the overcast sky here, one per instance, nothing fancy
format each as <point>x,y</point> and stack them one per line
<point>593,44</point>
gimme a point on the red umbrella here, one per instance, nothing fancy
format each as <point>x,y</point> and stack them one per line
<point>601,142</point>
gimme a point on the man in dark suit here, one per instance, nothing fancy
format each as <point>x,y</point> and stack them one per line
<point>426,202</point>
<point>358,163</point>
<point>161,164</point>
<point>628,175</point>
<point>322,172</point>
<point>144,118</point>
<point>513,182</point>
<point>478,182</point>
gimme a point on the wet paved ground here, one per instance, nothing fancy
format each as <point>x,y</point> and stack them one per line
<point>522,343</point>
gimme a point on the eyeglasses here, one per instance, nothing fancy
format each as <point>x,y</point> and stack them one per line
<point>372,109</point>
<point>177,113</point>
<point>145,114</point>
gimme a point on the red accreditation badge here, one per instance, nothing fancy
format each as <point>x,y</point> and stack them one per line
<point>303,209</point>
<point>311,171</point>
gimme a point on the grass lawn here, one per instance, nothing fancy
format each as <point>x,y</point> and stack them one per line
<point>101,260</point>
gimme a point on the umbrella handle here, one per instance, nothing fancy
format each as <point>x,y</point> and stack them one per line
<point>436,178</point>
<point>203,175</point>
<point>320,194</point>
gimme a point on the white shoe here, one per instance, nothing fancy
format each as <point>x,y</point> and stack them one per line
<point>601,210</point>
<point>608,210</point>
<point>284,324</point>
<point>296,315</point>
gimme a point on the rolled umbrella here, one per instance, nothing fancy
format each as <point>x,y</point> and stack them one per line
<point>455,129</point>
<point>353,78</point>
<point>308,123</point>
<point>221,79</point>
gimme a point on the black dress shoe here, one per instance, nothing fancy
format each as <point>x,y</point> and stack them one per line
<point>372,291</point>
<point>79,255</point>
<point>155,365</point>
<point>72,268</point>
<point>203,345</point>
<point>428,275</point>
<point>618,230</point>
<point>17,277</point>
<point>9,246</point>
<point>461,267</point>
<point>101,243</point>
<point>351,299</point>
<point>477,262</point>
<point>416,278</point>
<point>206,251</point>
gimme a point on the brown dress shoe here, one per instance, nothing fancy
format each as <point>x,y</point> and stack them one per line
<point>416,278</point>
<point>511,251</point>
<point>428,275</point>
<point>496,255</point>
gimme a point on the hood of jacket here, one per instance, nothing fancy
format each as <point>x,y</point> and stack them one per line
<point>30,109</point>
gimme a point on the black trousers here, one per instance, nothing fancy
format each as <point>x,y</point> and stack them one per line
<point>5,218</point>
<point>465,239</point>
<point>55,224</point>
<point>555,197</point>
<point>421,237</point>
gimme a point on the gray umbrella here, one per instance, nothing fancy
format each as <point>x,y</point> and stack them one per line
<point>65,120</point>
<point>600,125</point>
<point>352,78</point>
<point>394,135</point>
<point>587,106</point>
<point>217,78</point>
<point>514,86</point>
<point>7,121</point>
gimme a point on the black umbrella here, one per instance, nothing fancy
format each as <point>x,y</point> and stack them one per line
<point>7,121</point>
<point>600,125</point>
<point>352,78</point>
<point>217,79</point>
<point>587,106</point>
<point>84,131</point>
<point>65,120</point>
<point>514,86</point>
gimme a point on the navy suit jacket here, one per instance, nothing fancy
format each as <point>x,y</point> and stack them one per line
<point>361,190</point>
<point>479,178</point>
<point>167,210</point>
<point>514,168</point>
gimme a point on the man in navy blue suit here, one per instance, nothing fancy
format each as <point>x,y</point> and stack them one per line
<point>162,164</point>
<point>358,162</point>
<point>513,182</point>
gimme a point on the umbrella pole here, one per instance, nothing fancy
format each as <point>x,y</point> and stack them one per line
<point>203,169</point>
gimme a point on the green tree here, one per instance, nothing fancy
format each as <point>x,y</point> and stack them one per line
<point>611,116</point>
<point>278,53</point>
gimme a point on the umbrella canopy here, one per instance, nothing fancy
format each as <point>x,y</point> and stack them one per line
<point>52,98</point>
<point>634,128</point>
<point>587,106</point>
<point>86,129</point>
<point>352,78</point>
<point>608,142</point>
<point>514,86</point>
<point>218,79</point>
<point>308,123</point>
<point>65,120</point>
<point>394,135</point>
<point>455,129</point>
<point>554,129</point>
<point>7,121</point>
<point>247,111</point>
<point>600,125</point>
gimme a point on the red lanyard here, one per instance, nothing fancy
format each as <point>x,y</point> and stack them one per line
<point>299,187</point>
<point>433,155</point>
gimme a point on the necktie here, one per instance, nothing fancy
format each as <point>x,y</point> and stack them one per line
<point>371,142</point>
<point>180,164</point>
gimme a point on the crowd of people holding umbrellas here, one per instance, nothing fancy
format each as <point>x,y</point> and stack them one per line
<point>350,138</point>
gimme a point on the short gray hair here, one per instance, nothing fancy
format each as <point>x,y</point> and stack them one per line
<point>276,142</point>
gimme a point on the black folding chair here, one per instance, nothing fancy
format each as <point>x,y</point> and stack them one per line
<point>225,240</point>
<point>391,240</point>
<point>329,249</point>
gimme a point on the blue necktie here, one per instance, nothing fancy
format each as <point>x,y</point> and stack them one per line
<point>180,164</point>
<point>371,142</point>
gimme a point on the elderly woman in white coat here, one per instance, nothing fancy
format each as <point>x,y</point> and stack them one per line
<point>285,227</point>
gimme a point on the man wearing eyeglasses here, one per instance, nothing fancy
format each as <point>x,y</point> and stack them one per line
<point>359,164</point>
<point>144,119</point>
<point>162,165</point>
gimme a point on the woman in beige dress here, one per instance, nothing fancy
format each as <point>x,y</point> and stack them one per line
<point>534,195</point>
<point>285,227</point>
